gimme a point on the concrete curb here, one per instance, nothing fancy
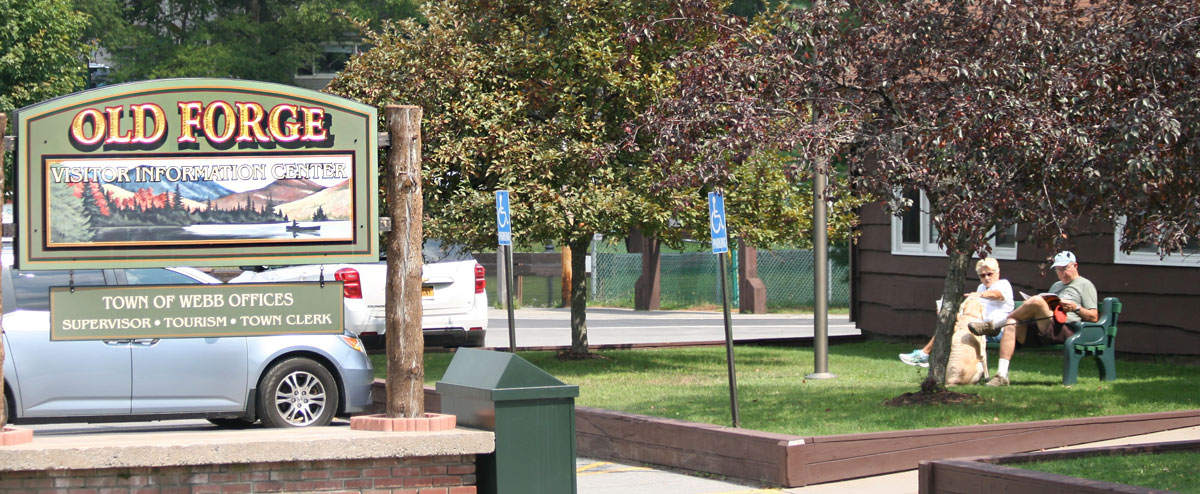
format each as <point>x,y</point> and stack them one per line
<point>242,446</point>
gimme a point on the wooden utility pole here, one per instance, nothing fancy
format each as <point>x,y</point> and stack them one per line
<point>566,276</point>
<point>3,402</point>
<point>405,346</point>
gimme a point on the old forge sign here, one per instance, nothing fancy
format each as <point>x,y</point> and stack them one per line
<point>201,172</point>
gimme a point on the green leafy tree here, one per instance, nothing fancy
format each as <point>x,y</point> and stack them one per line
<point>266,40</point>
<point>41,55</point>
<point>534,98</point>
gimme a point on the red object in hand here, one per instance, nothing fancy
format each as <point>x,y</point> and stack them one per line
<point>1059,315</point>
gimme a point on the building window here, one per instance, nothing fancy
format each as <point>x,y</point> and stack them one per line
<point>913,233</point>
<point>1148,255</point>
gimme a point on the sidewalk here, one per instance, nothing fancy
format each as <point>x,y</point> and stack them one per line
<point>543,327</point>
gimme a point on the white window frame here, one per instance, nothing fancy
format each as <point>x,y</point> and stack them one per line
<point>1149,258</point>
<point>925,247</point>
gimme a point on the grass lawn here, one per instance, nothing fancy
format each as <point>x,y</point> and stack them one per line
<point>690,384</point>
<point>1174,471</point>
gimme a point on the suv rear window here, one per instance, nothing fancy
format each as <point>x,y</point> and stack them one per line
<point>32,288</point>
<point>435,251</point>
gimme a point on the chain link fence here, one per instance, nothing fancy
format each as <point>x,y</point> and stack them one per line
<point>690,279</point>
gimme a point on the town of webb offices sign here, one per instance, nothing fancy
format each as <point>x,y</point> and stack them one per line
<point>189,311</point>
<point>200,172</point>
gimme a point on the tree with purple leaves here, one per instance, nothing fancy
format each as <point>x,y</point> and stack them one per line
<point>1055,114</point>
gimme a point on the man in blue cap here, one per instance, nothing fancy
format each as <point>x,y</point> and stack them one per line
<point>1034,320</point>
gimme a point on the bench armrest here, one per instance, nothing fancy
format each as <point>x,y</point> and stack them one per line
<point>1087,333</point>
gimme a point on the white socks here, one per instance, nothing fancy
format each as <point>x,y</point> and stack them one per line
<point>1002,368</point>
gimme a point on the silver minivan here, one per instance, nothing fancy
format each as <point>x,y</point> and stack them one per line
<point>282,380</point>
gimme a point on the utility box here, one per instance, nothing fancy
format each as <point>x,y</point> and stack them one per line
<point>531,413</point>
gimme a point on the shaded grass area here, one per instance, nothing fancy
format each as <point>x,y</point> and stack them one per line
<point>1174,471</point>
<point>691,384</point>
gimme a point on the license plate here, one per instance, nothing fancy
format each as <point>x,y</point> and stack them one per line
<point>426,291</point>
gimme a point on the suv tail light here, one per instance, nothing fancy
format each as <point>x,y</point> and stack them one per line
<point>480,282</point>
<point>351,288</point>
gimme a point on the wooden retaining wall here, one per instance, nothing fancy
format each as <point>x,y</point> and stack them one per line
<point>991,473</point>
<point>795,461</point>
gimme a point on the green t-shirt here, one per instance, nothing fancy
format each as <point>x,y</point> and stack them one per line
<point>1081,291</point>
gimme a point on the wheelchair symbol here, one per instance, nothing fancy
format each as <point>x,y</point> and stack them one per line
<point>502,216</point>
<point>715,213</point>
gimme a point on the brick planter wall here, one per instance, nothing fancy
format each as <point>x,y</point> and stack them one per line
<point>452,474</point>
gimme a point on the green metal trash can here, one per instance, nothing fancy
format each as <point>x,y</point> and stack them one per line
<point>531,413</point>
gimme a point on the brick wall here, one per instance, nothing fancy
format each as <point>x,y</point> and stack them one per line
<point>418,475</point>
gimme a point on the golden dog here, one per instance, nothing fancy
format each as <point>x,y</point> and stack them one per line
<point>968,353</point>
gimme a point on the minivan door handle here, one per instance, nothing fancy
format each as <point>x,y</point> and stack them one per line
<point>116,342</point>
<point>145,341</point>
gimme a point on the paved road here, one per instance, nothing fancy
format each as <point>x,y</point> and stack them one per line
<point>552,327</point>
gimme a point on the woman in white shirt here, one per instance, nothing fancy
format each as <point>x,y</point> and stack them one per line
<point>997,295</point>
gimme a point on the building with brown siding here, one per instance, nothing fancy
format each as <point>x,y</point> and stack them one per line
<point>898,273</point>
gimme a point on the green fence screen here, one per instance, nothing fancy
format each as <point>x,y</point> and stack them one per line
<point>690,279</point>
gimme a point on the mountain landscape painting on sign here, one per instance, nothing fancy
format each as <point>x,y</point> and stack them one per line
<point>200,199</point>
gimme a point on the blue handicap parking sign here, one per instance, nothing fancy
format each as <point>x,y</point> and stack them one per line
<point>503,218</point>
<point>716,215</point>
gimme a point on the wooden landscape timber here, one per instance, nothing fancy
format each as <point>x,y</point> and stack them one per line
<point>796,461</point>
<point>991,473</point>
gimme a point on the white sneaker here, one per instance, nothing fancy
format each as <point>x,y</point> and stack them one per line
<point>916,357</point>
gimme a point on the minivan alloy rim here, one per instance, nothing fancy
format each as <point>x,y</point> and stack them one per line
<point>300,398</point>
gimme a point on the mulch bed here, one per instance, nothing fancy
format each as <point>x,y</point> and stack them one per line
<point>932,394</point>
<point>567,355</point>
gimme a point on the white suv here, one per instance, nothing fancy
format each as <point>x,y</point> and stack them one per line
<point>453,299</point>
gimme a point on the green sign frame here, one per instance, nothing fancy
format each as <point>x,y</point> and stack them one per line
<point>195,172</point>
<point>195,311</point>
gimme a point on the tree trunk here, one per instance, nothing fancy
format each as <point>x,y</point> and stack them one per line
<point>952,297</point>
<point>405,385</point>
<point>752,292</point>
<point>568,272</point>
<point>579,341</point>
<point>647,290</point>
<point>3,401</point>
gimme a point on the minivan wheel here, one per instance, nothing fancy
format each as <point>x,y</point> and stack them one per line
<point>297,392</point>
<point>9,404</point>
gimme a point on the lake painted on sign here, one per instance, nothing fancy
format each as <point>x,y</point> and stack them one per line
<point>326,230</point>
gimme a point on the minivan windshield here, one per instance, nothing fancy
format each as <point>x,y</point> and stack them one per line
<point>32,288</point>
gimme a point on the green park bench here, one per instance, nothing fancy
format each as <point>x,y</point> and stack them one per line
<point>1096,339</point>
